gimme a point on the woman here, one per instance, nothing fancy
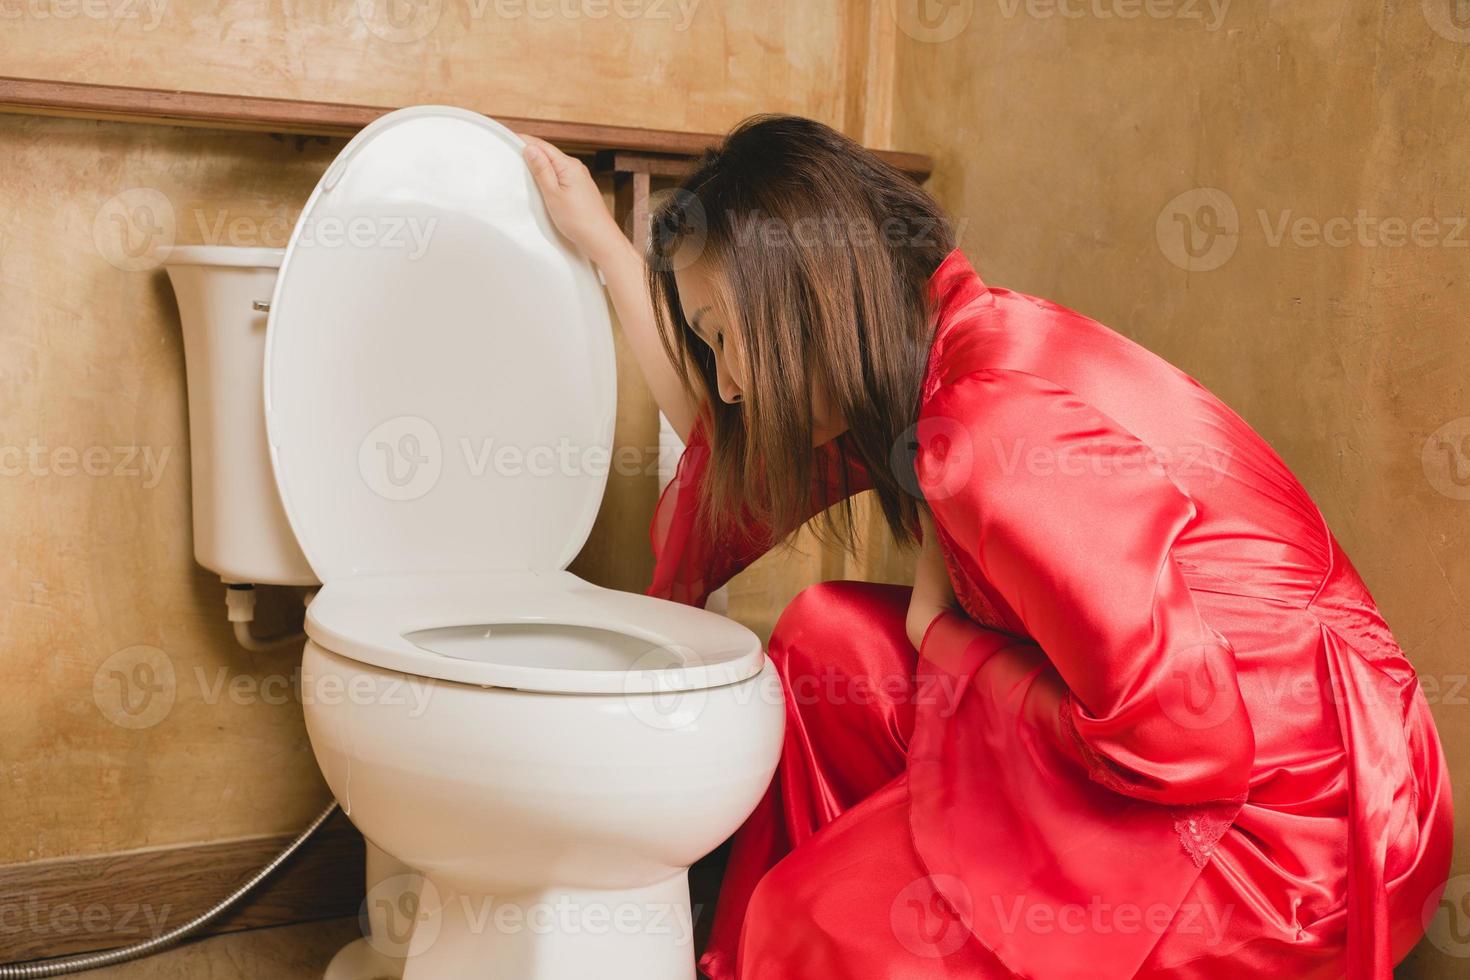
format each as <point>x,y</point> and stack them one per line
<point>1138,715</point>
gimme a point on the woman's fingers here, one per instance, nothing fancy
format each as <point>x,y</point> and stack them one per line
<point>541,168</point>
<point>549,163</point>
<point>573,200</point>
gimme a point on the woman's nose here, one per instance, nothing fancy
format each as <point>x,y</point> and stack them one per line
<point>730,392</point>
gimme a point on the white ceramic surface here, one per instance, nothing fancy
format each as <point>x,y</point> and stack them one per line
<point>510,738</point>
<point>240,530</point>
<point>539,820</point>
<point>440,384</point>
<point>549,632</point>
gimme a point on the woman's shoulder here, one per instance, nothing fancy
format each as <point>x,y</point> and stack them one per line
<point>1010,404</point>
<point>1030,346</point>
<point>1007,330</point>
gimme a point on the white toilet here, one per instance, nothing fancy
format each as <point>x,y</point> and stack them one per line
<point>535,761</point>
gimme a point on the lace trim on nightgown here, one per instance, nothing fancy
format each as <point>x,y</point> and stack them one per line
<point>971,600</point>
<point>1199,827</point>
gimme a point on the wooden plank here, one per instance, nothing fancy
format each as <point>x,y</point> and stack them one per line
<point>242,112</point>
<point>632,192</point>
<point>74,905</point>
<point>653,164</point>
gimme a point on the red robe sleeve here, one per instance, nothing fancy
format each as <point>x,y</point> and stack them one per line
<point>1074,789</point>
<point>689,561</point>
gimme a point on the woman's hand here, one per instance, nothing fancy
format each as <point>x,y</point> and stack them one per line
<point>574,201</point>
<point>933,594</point>
<point>575,205</point>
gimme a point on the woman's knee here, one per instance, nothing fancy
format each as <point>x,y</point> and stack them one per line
<point>830,617</point>
<point>844,644</point>
<point>779,906</point>
<point>789,917</point>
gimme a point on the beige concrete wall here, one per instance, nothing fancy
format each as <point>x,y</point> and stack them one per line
<point>671,64</point>
<point>128,716</point>
<point>1077,150</point>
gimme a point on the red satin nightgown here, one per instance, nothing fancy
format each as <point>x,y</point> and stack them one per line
<point>1170,734</point>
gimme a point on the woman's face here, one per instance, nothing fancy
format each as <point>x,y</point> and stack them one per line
<point>698,296</point>
<point>699,291</point>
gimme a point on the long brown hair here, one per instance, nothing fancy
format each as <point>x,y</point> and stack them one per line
<point>823,252</point>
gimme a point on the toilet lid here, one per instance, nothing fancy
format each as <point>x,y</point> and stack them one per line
<point>440,383</point>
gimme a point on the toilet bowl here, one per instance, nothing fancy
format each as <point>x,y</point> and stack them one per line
<point>551,780</point>
<point>535,761</point>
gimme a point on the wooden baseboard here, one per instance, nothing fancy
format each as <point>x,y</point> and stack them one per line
<point>74,905</point>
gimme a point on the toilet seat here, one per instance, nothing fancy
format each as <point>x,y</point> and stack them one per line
<point>427,318</point>
<point>440,380</point>
<point>659,646</point>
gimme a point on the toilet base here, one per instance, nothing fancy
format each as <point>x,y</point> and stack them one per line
<point>359,961</point>
<point>553,934</point>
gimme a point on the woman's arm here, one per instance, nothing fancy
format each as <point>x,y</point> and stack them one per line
<point>689,561</point>
<point>1073,520</point>
<point>575,204</point>
<point>933,593</point>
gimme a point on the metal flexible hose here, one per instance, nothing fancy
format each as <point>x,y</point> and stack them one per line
<point>92,961</point>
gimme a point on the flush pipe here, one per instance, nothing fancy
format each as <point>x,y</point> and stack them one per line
<point>240,606</point>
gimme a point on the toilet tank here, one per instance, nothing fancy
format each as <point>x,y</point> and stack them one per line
<point>240,529</point>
